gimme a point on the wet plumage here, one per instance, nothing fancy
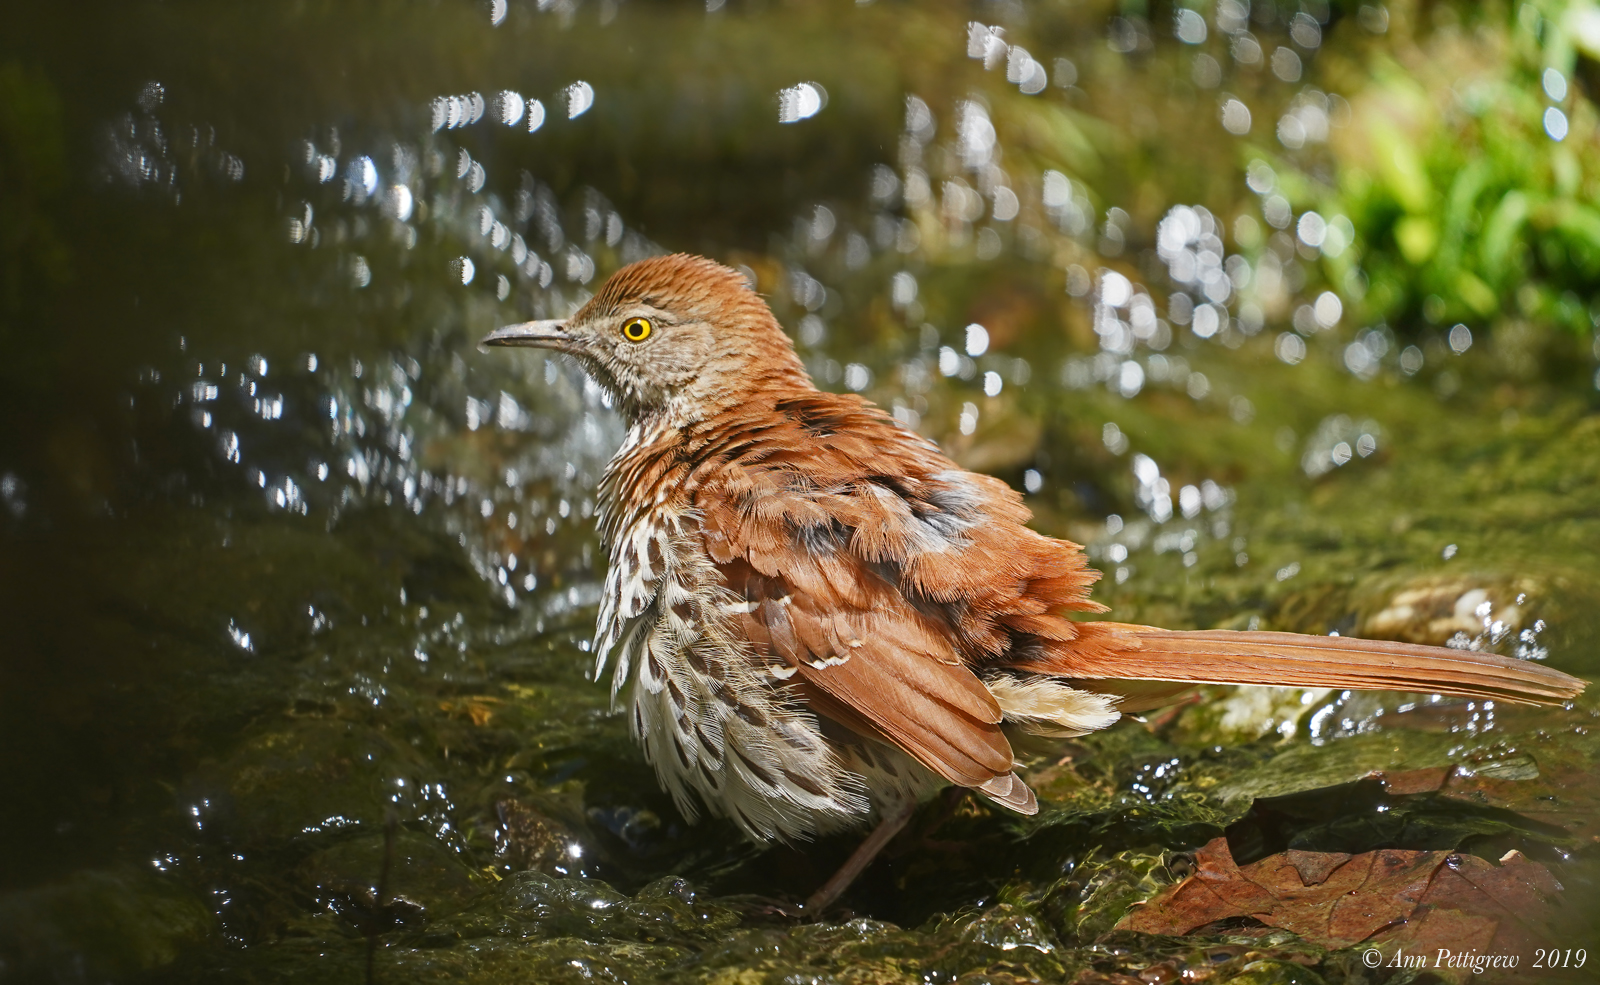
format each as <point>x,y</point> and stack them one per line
<point>812,614</point>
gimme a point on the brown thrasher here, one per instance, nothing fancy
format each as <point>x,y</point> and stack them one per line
<point>822,619</point>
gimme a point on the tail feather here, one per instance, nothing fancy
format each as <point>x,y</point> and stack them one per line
<point>1220,656</point>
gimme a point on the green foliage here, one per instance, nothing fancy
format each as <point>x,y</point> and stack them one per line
<point>1465,205</point>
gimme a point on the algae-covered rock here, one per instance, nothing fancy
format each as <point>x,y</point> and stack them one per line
<point>531,839</point>
<point>403,869</point>
<point>305,777</point>
<point>1433,610</point>
<point>1230,716</point>
<point>1094,897</point>
<point>534,905</point>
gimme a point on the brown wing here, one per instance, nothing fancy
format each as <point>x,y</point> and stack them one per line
<point>880,577</point>
<point>879,671</point>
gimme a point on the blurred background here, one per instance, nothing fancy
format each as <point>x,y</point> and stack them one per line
<point>1286,310</point>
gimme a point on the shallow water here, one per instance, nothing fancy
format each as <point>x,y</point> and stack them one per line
<point>301,583</point>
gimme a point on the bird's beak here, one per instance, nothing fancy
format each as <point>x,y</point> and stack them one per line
<point>551,334</point>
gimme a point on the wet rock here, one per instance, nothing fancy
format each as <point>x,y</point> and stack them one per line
<point>1230,716</point>
<point>1099,891</point>
<point>530,839</point>
<point>306,777</point>
<point>1432,610</point>
<point>1007,926</point>
<point>378,880</point>
<point>532,904</point>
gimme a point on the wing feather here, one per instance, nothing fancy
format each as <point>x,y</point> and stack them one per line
<point>881,581</point>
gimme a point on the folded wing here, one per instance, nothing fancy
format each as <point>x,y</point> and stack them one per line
<point>881,580</point>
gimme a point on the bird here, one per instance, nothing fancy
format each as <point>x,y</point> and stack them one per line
<point>816,620</point>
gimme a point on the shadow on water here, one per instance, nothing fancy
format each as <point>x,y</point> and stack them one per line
<point>299,585</point>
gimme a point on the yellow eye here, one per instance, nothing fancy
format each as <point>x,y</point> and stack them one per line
<point>636,329</point>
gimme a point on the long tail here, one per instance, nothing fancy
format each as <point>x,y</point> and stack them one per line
<point>1219,656</point>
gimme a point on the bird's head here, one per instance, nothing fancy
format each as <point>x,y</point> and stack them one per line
<point>676,336</point>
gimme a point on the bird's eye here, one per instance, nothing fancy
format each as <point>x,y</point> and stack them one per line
<point>636,329</point>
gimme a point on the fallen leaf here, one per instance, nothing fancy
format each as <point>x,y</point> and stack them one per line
<point>1315,867</point>
<point>1503,909</point>
<point>1411,900</point>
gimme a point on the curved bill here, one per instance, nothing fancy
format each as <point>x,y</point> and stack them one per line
<point>550,334</point>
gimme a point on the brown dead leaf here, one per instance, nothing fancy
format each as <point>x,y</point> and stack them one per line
<point>1408,898</point>
<point>1472,903</point>
<point>1217,891</point>
<point>1333,901</point>
<point>1315,867</point>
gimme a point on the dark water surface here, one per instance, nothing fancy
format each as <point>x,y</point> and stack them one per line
<point>298,584</point>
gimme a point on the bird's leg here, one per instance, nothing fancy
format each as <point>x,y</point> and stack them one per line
<point>861,857</point>
<point>944,808</point>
